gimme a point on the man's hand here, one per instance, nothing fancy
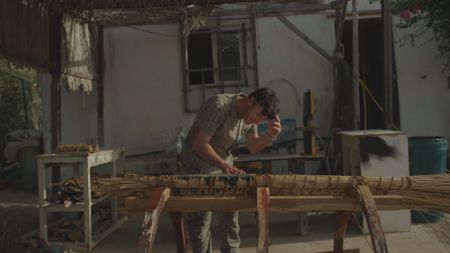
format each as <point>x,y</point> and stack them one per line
<point>274,127</point>
<point>229,169</point>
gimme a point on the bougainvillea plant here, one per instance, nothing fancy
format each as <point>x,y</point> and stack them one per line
<point>435,15</point>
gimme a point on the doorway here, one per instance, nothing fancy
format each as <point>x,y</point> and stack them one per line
<point>371,67</point>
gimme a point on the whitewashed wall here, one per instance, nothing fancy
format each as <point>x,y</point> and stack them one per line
<point>423,86</point>
<point>424,90</point>
<point>290,66</point>
<point>143,87</point>
<point>143,83</point>
<point>78,117</point>
<point>143,78</point>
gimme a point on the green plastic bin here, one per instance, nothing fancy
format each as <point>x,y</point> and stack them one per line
<point>28,167</point>
<point>427,155</point>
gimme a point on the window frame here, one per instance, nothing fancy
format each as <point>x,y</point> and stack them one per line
<point>242,30</point>
<point>245,25</point>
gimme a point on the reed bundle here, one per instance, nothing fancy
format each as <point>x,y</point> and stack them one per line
<point>431,192</point>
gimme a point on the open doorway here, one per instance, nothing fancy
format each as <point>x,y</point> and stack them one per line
<point>371,67</point>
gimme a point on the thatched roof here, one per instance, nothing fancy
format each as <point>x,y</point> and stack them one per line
<point>30,41</point>
<point>161,9</point>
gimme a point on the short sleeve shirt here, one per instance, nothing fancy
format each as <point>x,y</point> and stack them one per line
<point>218,117</point>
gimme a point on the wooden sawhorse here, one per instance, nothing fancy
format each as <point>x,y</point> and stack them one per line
<point>361,199</point>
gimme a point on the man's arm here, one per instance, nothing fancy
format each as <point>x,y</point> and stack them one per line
<point>202,148</point>
<point>256,143</point>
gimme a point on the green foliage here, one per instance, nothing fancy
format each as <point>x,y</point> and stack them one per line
<point>24,73</point>
<point>435,14</point>
<point>14,84</point>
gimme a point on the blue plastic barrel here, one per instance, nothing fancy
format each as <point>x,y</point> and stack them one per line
<point>427,155</point>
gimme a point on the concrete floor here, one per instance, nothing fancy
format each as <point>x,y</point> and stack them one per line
<point>284,236</point>
<point>284,232</point>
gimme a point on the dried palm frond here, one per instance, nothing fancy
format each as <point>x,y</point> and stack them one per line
<point>418,192</point>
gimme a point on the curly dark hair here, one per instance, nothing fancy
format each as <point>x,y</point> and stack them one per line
<point>268,100</point>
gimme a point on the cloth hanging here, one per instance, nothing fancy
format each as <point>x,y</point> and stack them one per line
<point>79,63</point>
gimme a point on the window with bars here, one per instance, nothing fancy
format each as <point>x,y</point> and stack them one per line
<point>219,58</point>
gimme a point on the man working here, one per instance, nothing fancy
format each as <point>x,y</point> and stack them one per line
<point>219,124</point>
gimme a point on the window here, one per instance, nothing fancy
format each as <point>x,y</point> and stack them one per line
<point>218,58</point>
<point>200,58</point>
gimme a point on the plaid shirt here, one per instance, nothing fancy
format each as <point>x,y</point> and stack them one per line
<point>218,117</point>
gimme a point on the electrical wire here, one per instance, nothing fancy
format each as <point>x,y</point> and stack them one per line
<point>366,89</point>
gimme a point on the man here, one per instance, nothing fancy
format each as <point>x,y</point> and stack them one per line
<point>219,124</point>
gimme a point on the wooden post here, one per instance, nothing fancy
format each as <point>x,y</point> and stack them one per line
<point>156,205</point>
<point>364,196</point>
<point>341,227</point>
<point>87,196</point>
<point>262,205</point>
<point>388,73</point>
<point>355,63</point>
<point>180,232</point>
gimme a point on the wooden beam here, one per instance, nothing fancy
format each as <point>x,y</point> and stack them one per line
<point>302,35</point>
<point>388,73</point>
<point>364,196</point>
<point>271,11</point>
<point>262,205</point>
<point>340,21</point>
<point>154,210</point>
<point>277,204</point>
<point>355,63</point>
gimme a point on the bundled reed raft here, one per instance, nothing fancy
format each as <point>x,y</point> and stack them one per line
<point>431,192</point>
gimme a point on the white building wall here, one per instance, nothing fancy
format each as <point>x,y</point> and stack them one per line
<point>424,89</point>
<point>143,83</point>
<point>143,78</point>
<point>423,86</point>
<point>143,87</point>
<point>78,117</point>
<point>290,66</point>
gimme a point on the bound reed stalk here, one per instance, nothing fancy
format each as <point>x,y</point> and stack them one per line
<point>418,192</point>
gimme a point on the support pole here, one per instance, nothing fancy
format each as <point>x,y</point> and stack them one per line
<point>340,21</point>
<point>262,205</point>
<point>387,39</point>
<point>355,34</point>
<point>156,205</point>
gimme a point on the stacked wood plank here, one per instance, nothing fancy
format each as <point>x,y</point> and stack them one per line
<point>76,148</point>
